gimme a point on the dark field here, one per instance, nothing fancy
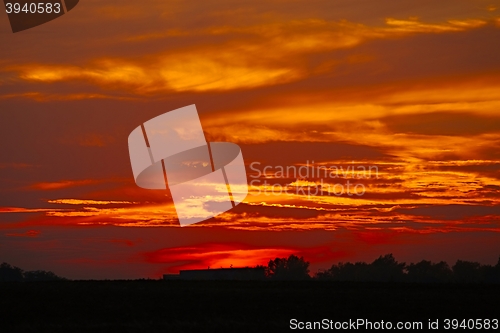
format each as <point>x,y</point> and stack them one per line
<point>234,306</point>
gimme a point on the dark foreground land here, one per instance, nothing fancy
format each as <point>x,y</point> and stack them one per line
<point>231,306</point>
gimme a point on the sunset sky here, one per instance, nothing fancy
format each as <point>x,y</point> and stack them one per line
<point>409,87</point>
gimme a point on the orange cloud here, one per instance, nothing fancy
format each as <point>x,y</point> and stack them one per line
<point>414,26</point>
<point>62,184</point>
<point>232,65</point>
<point>23,210</point>
<point>87,202</point>
<point>48,97</point>
<point>29,233</point>
<point>138,215</point>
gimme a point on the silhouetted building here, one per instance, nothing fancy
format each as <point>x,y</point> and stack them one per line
<point>246,273</point>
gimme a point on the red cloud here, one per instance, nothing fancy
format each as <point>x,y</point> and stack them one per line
<point>29,233</point>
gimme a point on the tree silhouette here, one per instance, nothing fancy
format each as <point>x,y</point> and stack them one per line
<point>386,268</point>
<point>495,276</point>
<point>346,272</point>
<point>13,273</point>
<point>467,271</point>
<point>41,276</point>
<point>428,272</point>
<point>10,273</point>
<point>291,268</point>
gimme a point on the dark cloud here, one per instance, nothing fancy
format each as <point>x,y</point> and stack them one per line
<point>443,123</point>
<point>452,212</point>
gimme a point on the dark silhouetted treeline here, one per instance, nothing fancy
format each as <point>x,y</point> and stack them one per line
<point>383,269</point>
<point>13,273</point>
<point>291,268</point>
<point>387,268</point>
